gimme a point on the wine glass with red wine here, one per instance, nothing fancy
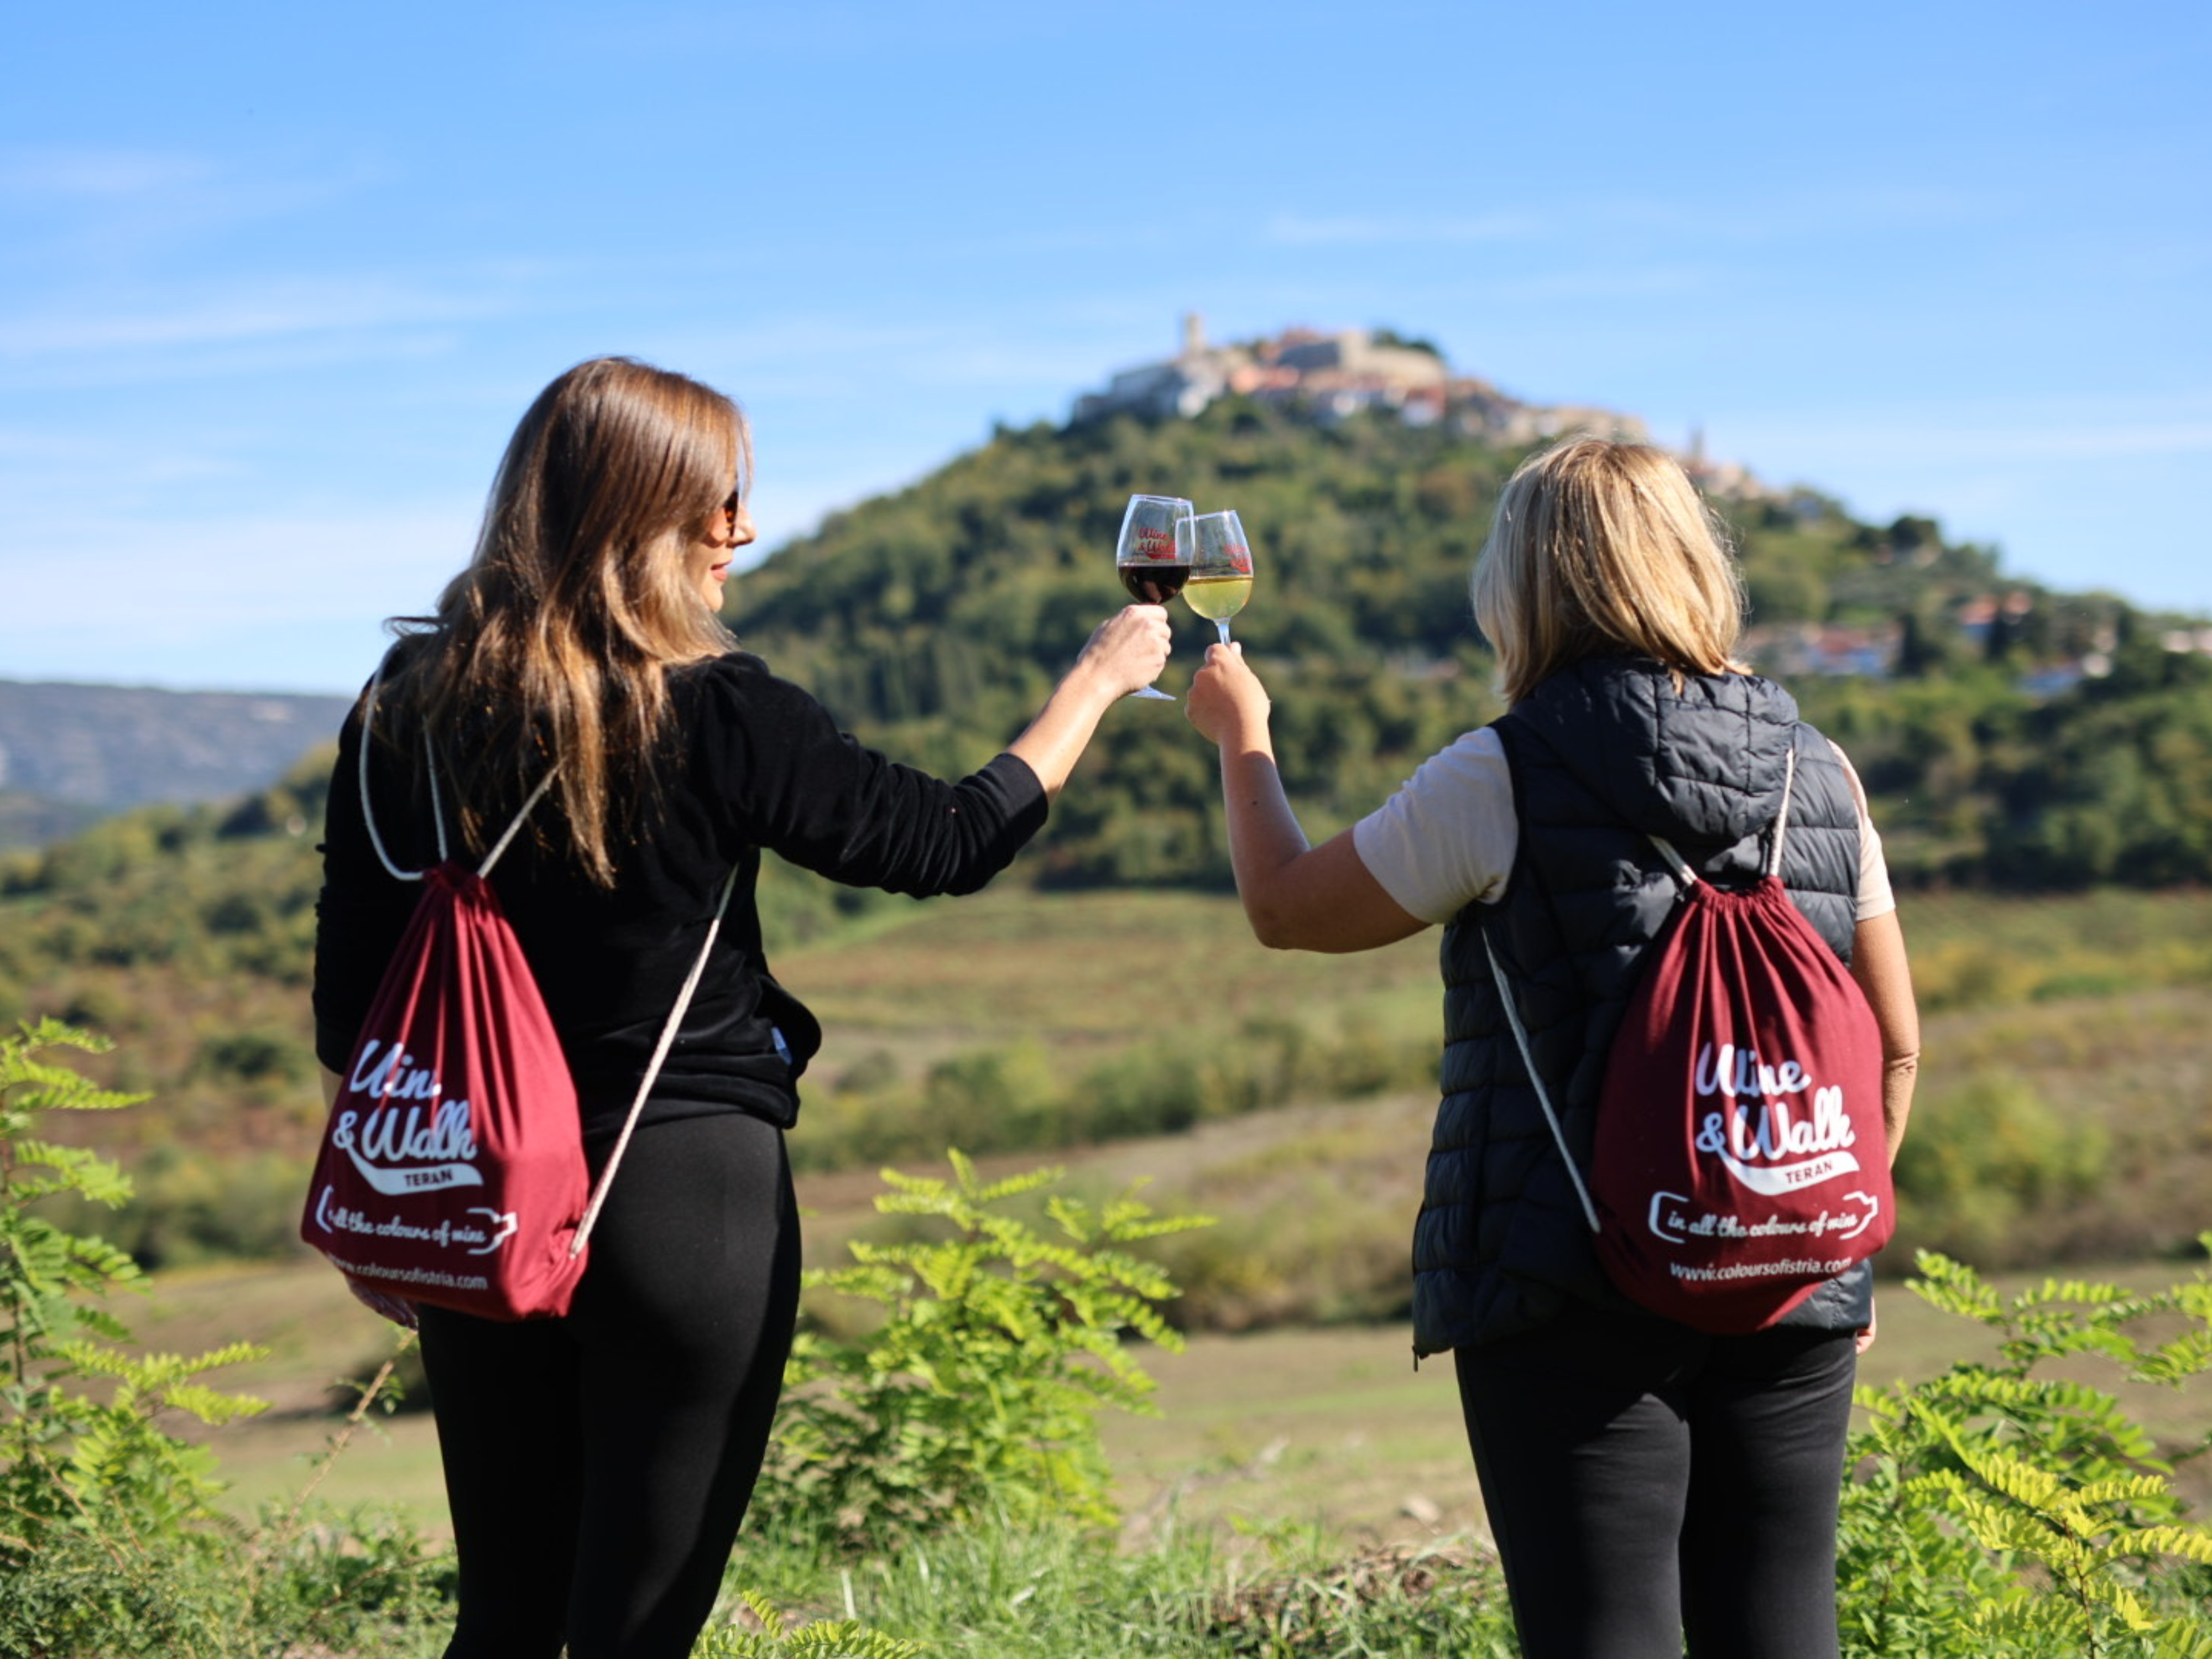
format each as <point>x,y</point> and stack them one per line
<point>1153,559</point>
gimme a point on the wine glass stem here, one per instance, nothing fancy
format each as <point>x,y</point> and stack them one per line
<point>1221,626</point>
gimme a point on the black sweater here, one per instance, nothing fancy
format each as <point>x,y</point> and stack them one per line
<point>756,762</point>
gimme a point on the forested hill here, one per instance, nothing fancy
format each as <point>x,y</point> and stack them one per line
<point>2010,735</point>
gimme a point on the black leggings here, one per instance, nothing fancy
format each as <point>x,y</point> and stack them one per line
<point>1650,1486</point>
<point>598,1466</point>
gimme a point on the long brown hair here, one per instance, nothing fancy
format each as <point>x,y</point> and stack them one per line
<point>1605,549</point>
<point>553,645</point>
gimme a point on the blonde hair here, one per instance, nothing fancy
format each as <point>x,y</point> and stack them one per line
<point>554,643</point>
<point>1604,548</point>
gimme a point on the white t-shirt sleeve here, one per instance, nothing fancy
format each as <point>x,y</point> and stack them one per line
<point>1875,897</point>
<point>1449,835</point>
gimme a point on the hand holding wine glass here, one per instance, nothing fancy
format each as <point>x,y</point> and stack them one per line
<point>1220,559</point>
<point>1150,557</point>
<point>1128,649</point>
<point>1228,703</point>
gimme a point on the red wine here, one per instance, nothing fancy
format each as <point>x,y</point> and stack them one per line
<point>1153,584</point>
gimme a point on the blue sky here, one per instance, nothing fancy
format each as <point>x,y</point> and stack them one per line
<point>274,283</point>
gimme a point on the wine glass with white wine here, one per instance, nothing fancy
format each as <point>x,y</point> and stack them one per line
<point>1151,556</point>
<point>1221,566</point>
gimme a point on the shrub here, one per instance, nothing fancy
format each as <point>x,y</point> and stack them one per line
<point>75,1466</point>
<point>1984,1156</point>
<point>252,1057</point>
<point>1008,1099</point>
<point>109,1540</point>
<point>1998,1512</point>
<point>843,1639</point>
<point>978,1393</point>
<point>1312,1253</point>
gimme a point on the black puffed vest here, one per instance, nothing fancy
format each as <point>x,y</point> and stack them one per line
<point>1602,756</point>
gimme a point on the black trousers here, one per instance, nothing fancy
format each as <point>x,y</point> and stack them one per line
<point>1655,1491</point>
<point>598,1466</point>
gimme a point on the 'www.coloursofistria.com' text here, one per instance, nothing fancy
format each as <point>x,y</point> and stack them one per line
<point>1761,1270</point>
<point>412,1276</point>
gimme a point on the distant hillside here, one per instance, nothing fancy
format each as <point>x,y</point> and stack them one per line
<point>69,753</point>
<point>2011,735</point>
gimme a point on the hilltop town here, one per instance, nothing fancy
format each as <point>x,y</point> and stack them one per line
<point>1330,376</point>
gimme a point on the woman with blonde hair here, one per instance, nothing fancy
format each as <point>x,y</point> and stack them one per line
<point>599,1464</point>
<point>1650,1486</point>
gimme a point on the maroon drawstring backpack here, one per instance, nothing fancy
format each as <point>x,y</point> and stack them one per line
<point>1739,1160</point>
<point>452,1168</point>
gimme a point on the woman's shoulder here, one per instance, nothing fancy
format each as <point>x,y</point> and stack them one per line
<point>739,711</point>
<point>736,683</point>
<point>730,668</point>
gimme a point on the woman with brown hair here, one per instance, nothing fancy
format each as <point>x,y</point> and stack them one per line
<point>599,1464</point>
<point>1649,1485</point>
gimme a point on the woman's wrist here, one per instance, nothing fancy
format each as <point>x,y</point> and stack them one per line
<point>1087,685</point>
<point>1249,735</point>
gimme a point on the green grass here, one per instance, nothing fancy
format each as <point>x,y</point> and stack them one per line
<point>998,1593</point>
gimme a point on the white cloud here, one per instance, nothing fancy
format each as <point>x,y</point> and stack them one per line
<point>98,174</point>
<point>802,360</point>
<point>1926,436</point>
<point>286,307</point>
<point>1300,230</point>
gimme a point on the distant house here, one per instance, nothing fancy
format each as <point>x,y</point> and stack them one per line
<point>1155,391</point>
<point>2063,677</point>
<point>1794,648</point>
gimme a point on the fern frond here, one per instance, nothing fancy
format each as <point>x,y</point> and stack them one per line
<point>2185,1543</point>
<point>2174,1363</point>
<point>80,1169</point>
<point>1955,1288</point>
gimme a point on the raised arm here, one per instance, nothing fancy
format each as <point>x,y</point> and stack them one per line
<point>1125,651</point>
<point>791,781</point>
<point>1297,897</point>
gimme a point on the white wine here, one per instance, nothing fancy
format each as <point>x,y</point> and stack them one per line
<point>1217,598</point>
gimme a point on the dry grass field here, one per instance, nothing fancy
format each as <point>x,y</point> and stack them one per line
<point>2102,1005</point>
<point>1084,974</point>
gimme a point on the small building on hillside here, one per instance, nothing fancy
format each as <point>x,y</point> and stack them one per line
<point>1787,649</point>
